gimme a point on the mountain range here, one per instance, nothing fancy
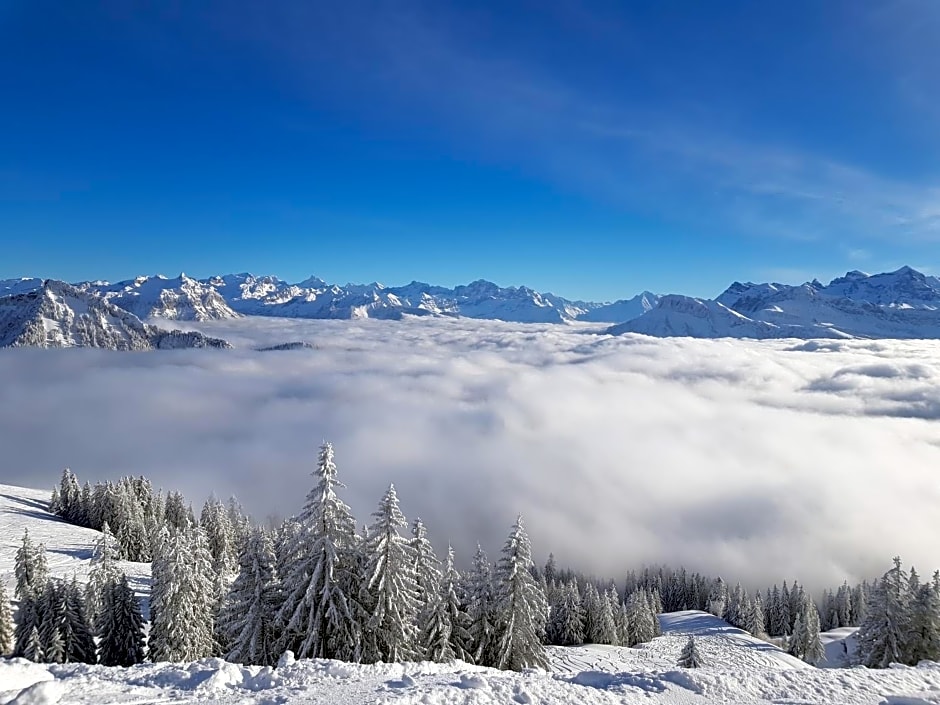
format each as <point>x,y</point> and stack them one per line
<point>900,304</point>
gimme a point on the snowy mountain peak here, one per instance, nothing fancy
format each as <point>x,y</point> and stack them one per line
<point>60,315</point>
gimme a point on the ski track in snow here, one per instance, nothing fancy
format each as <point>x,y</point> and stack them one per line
<point>739,668</point>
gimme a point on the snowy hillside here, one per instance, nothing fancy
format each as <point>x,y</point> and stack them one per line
<point>68,547</point>
<point>58,315</point>
<point>737,667</point>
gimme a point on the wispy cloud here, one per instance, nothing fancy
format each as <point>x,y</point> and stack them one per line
<point>759,460</point>
<point>501,104</point>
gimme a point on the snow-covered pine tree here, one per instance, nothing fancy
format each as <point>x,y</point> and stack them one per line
<point>247,618</point>
<point>52,622</point>
<point>427,570</point>
<point>881,637</point>
<point>120,625</point>
<point>640,618</point>
<point>32,646</point>
<point>220,534</point>
<point>602,629</point>
<point>923,638</point>
<point>655,606</point>
<point>567,618</point>
<point>318,554</point>
<point>6,623</point>
<point>176,512</point>
<point>78,636</point>
<point>754,623</point>
<point>30,568</point>
<point>522,609</point>
<point>481,609</point>
<point>28,617</point>
<point>104,571</point>
<point>805,643</point>
<point>718,597</point>
<point>455,601</point>
<point>618,610</point>
<point>389,587</point>
<point>69,496</point>
<point>182,598</point>
<point>780,612</point>
<point>690,656</point>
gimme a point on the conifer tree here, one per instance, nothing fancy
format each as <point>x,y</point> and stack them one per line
<point>481,610</point>
<point>390,588</point>
<point>690,656</point>
<point>567,619</point>
<point>6,623</point>
<point>881,637</point>
<point>718,597</point>
<point>522,609</point>
<point>182,598</point>
<point>32,646</point>
<point>30,568</point>
<point>427,570</point>
<point>318,555</point>
<point>444,635</point>
<point>104,571</point>
<point>923,639</point>
<point>120,625</point>
<point>28,617</point>
<point>247,619</point>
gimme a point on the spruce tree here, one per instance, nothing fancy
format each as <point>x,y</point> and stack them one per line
<point>427,570</point>
<point>923,638</point>
<point>104,571</point>
<point>567,618</point>
<point>6,623</point>
<point>690,656</point>
<point>182,599</point>
<point>481,610</point>
<point>522,609</point>
<point>120,626</point>
<point>881,637</point>
<point>389,587</point>
<point>320,586</point>
<point>28,617</point>
<point>247,619</point>
<point>32,646</point>
<point>30,568</point>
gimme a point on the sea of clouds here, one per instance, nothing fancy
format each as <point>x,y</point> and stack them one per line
<point>761,460</point>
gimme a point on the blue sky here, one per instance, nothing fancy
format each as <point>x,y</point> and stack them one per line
<point>592,149</point>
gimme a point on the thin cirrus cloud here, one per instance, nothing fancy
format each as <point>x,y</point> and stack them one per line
<point>757,460</point>
<point>498,100</point>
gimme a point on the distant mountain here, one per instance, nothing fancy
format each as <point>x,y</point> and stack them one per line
<point>683,316</point>
<point>623,310</point>
<point>179,299</point>
<point>900,304</point>
<point>59,315</point>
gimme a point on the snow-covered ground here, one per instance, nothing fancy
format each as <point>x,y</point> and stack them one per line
<point>739,668</point>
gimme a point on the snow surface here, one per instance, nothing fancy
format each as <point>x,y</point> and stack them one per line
<point>739,668</point>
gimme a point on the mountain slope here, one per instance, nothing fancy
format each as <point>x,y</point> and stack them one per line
<point>179,299</point>
<point>683,316</point>
<point>59,315</point>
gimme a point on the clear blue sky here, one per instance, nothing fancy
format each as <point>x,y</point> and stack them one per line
<point>592,149</point>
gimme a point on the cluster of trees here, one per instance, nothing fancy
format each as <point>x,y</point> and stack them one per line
<point>902,621</point>
<point>57,621</point>
<point>319,587</point>
<point>136,514</point>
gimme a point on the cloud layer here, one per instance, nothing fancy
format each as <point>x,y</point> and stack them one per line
<point>759,460</point>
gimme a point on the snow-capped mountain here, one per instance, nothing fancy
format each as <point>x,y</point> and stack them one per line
<point>683,316</point>
<point>314,298</point>
<point>623,310</point>
<point>179,299</point>
<point>59,315</point>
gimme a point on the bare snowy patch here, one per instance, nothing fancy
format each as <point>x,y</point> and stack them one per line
<point>761,460</point>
